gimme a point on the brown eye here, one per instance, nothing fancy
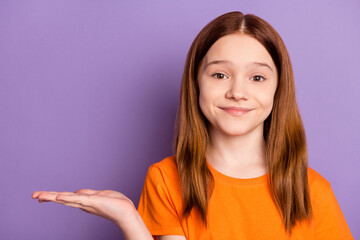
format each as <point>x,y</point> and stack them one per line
<point>219,75</point>
<point>257,78</point>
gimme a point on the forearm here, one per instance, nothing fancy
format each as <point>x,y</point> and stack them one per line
<point>134,228</point>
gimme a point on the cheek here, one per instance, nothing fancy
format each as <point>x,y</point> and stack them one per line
<point>203,103</point>
<point>267,101</point>
<point>269,106</point>
<point>207,97</point>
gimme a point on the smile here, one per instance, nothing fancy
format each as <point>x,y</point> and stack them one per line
<point>236,111</point>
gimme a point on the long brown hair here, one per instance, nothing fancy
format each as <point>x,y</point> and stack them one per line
<point>286,151</point>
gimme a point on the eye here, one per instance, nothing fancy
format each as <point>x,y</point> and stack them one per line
<point>257,78</point>
<point>219,75</point>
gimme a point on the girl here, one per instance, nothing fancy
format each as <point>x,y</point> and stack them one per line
<point>240,169</point>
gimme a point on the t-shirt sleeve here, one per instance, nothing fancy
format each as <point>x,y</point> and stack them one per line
<point>156,205</point>
<point>330,222</point>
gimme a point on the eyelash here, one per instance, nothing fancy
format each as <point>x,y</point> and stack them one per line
<point>261,77</point>
<point>215,74</point>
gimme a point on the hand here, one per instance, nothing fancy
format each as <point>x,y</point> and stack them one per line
<point>108,204</point>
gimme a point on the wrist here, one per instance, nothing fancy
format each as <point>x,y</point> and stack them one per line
<point>129,219</point>
<point>133,227</point>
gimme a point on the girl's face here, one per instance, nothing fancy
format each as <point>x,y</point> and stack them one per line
<point>237,72</point>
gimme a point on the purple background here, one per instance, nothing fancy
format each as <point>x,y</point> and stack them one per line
<point>89,91</point>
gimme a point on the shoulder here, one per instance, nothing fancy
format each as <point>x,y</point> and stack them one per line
<point>330,222</point>
<point>318,184</point>
<point>160,203</point>
<point>165,172</point>
<point>168,164</point>
<point>316,179</point>
<point>167,168</point>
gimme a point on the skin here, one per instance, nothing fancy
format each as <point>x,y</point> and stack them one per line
<point>108,204</point>
<point>237,144</point>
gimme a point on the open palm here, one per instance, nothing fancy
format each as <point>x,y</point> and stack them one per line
<point>108,204</point>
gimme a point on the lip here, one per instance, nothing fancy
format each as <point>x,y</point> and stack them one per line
<point>236,111</point>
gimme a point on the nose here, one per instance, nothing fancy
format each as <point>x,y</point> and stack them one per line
<point>237,90</point>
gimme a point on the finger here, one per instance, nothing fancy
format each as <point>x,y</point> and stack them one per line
<point>50,196</point>
<point>43,200</point>
<point>81,207</point>
<point>87,191</point>
<point>83,200</point>
<point>37,193</point>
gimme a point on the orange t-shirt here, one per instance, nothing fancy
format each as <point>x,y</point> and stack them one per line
<point>238,208</point>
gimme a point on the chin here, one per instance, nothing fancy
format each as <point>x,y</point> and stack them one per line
<point>236,134</point>
<point>234,130</point>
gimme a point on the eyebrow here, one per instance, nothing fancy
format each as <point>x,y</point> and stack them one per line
<point>261,64</point>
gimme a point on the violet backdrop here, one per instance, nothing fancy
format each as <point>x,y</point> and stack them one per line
<point>89,91</point>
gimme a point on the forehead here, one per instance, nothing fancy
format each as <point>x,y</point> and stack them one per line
<point>241,49</point>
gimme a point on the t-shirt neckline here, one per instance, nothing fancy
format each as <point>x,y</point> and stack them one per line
<point>238,181</point>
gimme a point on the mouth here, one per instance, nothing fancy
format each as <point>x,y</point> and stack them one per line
<point>236,111</point>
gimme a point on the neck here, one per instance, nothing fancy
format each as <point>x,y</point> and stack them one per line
<point>236,152</point>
